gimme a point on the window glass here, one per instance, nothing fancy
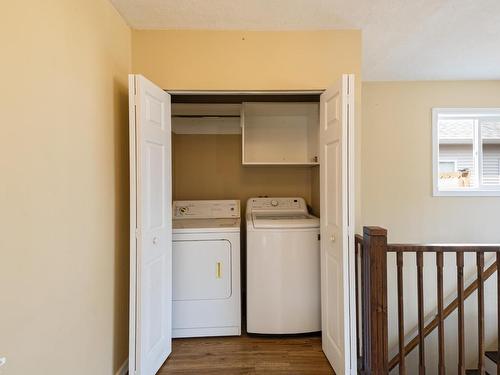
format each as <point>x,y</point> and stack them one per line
<point>456,153</point>
<point>490,143</point>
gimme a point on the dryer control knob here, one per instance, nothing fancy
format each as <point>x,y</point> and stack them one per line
<point>274,203</point>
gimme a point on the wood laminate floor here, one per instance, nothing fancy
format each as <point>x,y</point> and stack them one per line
<point>247,355</point>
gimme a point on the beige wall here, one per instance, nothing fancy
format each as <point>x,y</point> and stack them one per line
<point>209,167</point>
<point>252,60</point>
<point>64,187</point>
<point>397,194</point>
<point>397,163</point>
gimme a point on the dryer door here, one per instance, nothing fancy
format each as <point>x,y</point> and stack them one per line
<point>201,270</point>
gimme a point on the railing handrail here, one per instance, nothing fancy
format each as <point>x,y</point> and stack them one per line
<point>444,247</point>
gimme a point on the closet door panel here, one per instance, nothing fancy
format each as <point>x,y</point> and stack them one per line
<point>151,227</point>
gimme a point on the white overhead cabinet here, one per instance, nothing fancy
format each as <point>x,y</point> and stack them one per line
<point>280,133</point>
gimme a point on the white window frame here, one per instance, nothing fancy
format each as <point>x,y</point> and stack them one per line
<point>479,190</point>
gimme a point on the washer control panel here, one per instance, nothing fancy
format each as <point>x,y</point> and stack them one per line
<point>206,209</point>
<point>271,204</point>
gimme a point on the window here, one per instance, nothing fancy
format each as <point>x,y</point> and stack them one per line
<point>466,151</point>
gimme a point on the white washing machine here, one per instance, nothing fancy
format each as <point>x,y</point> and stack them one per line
<point>206,268</point>
<point>283,267</point>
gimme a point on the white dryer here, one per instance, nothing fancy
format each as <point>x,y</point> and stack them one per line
<point>206,268</point>
<point>283,267</point>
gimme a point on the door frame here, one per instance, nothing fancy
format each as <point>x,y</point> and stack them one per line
<point>133,222</point>
<point>351,214</point>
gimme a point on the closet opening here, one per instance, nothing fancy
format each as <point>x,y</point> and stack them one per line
<point>238,146</point>
<point>240,216</point>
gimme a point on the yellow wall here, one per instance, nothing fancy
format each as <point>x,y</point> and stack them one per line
<point>397,163</point>
<point>245,60</point>
<point>64,187</point>
<point>252,60</point>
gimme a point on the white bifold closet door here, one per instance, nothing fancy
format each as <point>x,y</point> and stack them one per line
<point>151,227</point>
<point>337,216</point>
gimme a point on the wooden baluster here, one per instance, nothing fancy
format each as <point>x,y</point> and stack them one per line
<point>441,362</point>
<point>420,292</point>
<point>480,312</point>
<point>401,324</point>
<point>447,311</point>
<point>498,311</point>
<point>374,291</point>
<point>461,327</point>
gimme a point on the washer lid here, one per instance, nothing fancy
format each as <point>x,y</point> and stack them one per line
<point>206,225</point>
<point>284,220</point>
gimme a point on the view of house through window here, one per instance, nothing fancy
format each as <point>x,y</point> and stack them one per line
<point>466,151</point>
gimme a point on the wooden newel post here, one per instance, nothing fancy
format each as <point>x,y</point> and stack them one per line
<point>374,295</point>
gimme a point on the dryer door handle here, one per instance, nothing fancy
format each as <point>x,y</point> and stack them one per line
<point>219,270</point>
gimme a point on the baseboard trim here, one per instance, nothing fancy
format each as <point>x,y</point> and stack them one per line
<point>123,370</point>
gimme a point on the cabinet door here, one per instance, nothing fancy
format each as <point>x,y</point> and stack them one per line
<point>337,246</point>
<point>201,270</point>
<point>151,227</point>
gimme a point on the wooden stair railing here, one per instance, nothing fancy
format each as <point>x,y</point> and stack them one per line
<point>432,325</point>
<point>371,253</point>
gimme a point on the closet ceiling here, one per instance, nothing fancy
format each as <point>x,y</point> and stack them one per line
<point>402,39</point>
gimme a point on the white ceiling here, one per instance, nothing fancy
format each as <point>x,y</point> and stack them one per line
<point>402,39</point>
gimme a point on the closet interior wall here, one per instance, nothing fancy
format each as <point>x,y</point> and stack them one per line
<point>208,166</point>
